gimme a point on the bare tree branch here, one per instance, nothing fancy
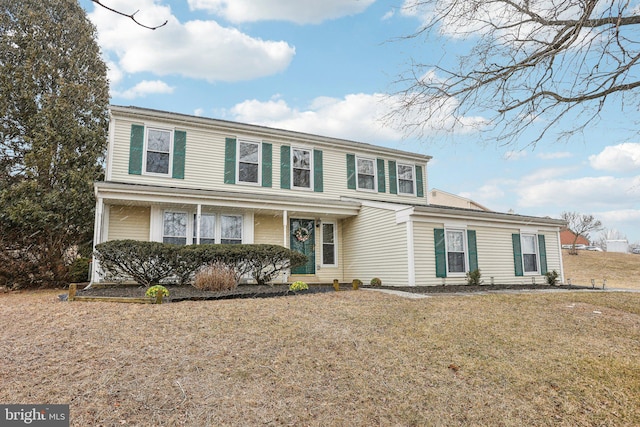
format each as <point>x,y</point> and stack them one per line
<point>530,63</point>
<point>131,16</point>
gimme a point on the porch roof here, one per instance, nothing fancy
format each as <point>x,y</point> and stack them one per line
<point>143,194</point>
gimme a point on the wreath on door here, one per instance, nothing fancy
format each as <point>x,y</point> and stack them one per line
<point>302,234</point>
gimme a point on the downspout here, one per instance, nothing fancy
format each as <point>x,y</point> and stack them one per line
<point>560,253</point>
<point>285,233</point>
<point>411,262</point>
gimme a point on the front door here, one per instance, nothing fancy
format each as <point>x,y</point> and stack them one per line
<point>302,239</point>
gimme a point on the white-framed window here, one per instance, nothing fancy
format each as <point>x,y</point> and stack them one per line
<point>529,243</point>
<point>207,229</point>
<point>406,179</point>
<point>366,169</point>
<point>158,151</point>
<point>329,244</point>
<point>301,173</point>
<point>174,228</point>
<point>230,228</point>
<point>248,162</point>
<point>456,251</point>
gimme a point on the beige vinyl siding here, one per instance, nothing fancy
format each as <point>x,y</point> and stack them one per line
<point>204,164</point>
<point>129,222</point>
<point>375,246</point>
<point>425,256</point>
<point>495,255</point>
<point>268,230</point>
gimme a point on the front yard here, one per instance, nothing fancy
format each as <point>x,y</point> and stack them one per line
<point>347,358</point>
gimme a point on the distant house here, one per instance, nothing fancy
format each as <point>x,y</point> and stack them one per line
<point>567,237</point>
<point>442,198</point>
<point>356,210</point>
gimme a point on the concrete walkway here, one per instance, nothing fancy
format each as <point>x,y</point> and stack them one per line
<point>412,295</point>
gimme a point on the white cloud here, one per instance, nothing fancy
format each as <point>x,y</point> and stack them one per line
<point>623,215</point>
<point>357,117</point>
<point>298,11</point>
<point>390,14</point>
<point>591,192</point>
<point>623,157</point>
<point>145,88</point>
<point>554,156</point>
<point>196,49</point>
<point>199,112</point>
<point>353,117</point>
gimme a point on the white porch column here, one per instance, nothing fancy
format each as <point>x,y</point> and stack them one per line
<point>198,221</point>
<point>285,220</point>
<point>97,237</point>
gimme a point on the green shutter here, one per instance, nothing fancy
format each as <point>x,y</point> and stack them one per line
<point>381,177</point>
<point>351,171</point>
<point>179,153</point>
<point>441,252</point>
<point>517,254</point>
<point>285,167</point>
<point>318,186</point>
<point>420,183</point>
<point>267,166</point>
<point>543,254</point>
<point>135,149</point>
<point>230,161</point>
<point>473,250</point>
<point>393,181</point>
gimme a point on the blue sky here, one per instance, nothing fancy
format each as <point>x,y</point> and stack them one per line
<point>324,67</point>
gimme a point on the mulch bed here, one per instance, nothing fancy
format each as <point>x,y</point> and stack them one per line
<point>186,293</point>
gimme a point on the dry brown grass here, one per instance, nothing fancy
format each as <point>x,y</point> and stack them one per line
<point>620,270</point>
<point>348,358</point>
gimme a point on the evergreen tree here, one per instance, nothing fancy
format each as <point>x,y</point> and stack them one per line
<point>54,99</point>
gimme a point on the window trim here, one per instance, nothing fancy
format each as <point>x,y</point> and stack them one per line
<point>311,169</point>
<point>148,128</point>
<point>374,175</point>
<point>537,253</point>
<point>335,243</point>
<point>413,180</point>
<point>259,163</point>
<point>465,252</point>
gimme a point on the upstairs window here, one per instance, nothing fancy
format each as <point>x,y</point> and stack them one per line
<point>455,251</point>
<point>158,151</point>
<point>301,170</point>
<point>248,162</point>
<point>366,174</point>
<point>406,182</point>
<point>175,228</point>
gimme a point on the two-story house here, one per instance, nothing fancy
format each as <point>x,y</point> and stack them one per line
<point>356,210</point>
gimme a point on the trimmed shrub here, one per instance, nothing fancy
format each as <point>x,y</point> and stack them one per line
<point>215,277</point>
<point>473,278</point>
<point>151,262</point>
<point>145,262</point>
<point>375,282</point>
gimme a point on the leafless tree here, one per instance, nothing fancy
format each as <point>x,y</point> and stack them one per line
<point>131,16</point>
<point>580,225</point>
<point>524,63</point>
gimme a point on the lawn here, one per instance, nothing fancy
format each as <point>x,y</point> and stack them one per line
<point>356,358</point>
<point>620,270</point>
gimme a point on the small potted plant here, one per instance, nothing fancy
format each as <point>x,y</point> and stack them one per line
<point>152,292</point>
